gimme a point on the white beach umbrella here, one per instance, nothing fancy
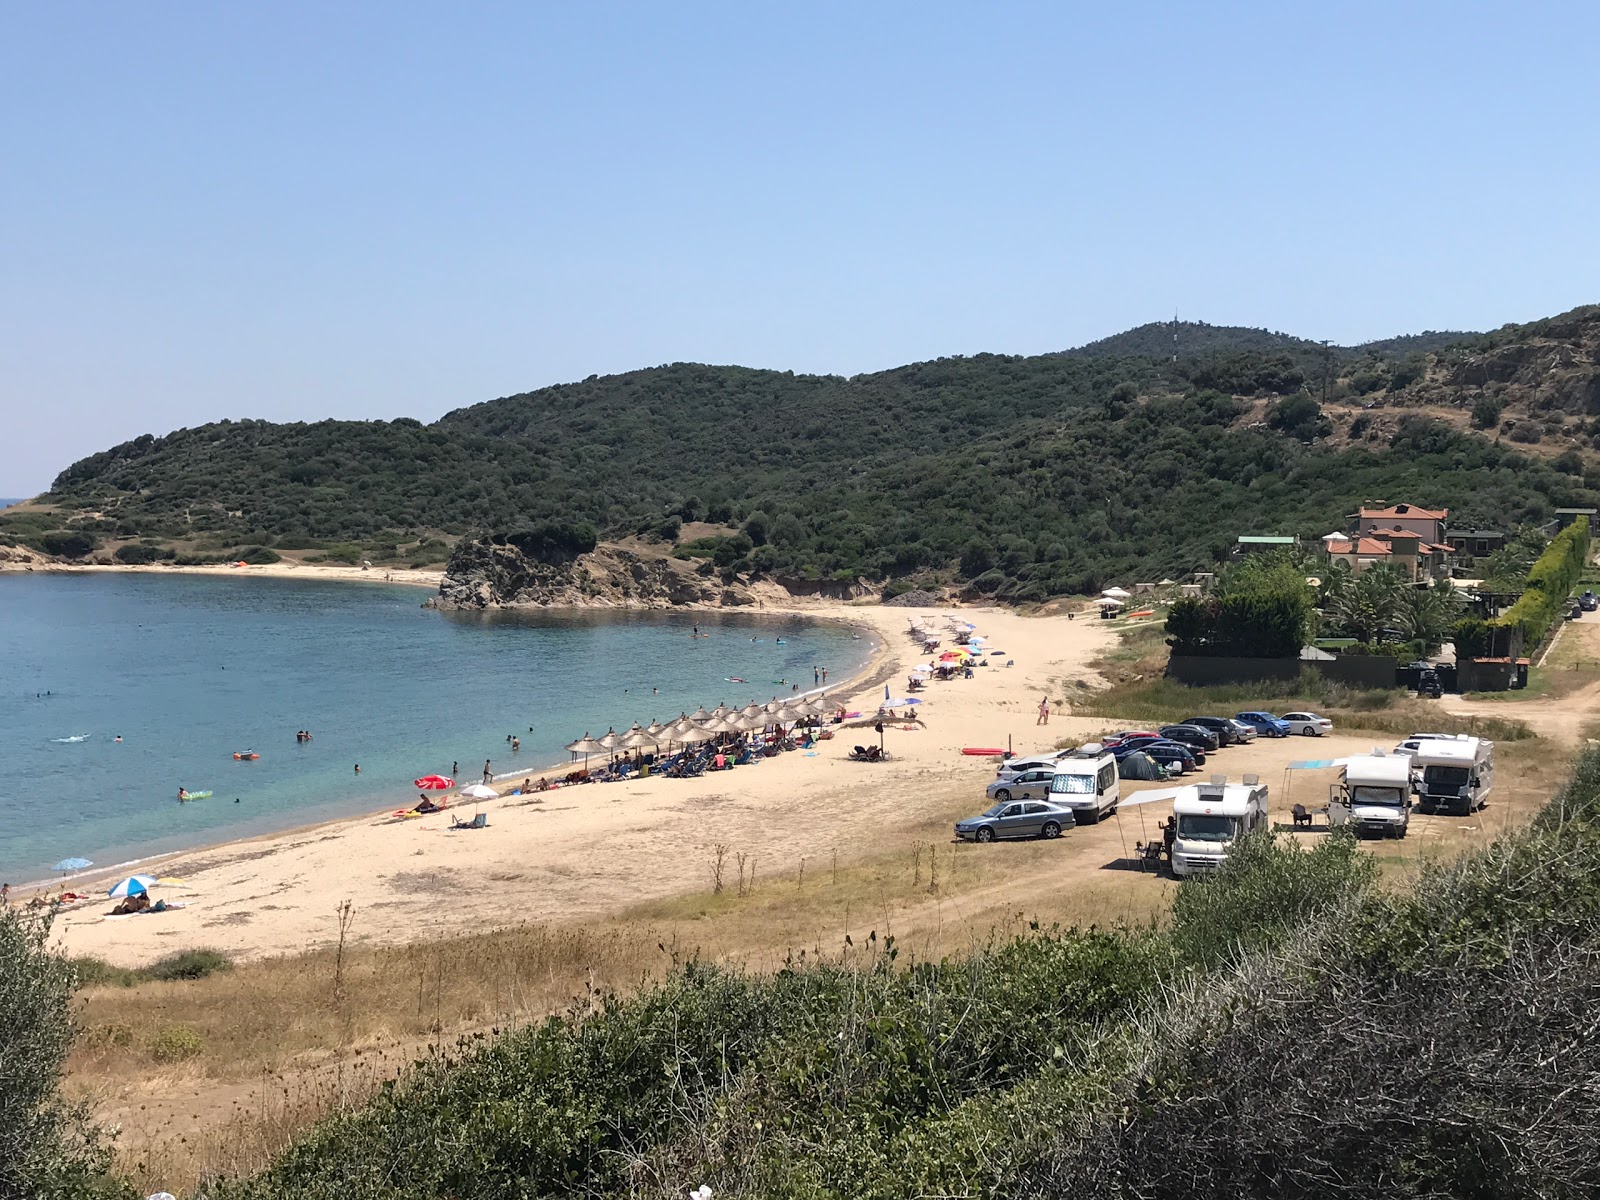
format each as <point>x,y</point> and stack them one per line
<point>1109,602</point>
<point>1116,592</point>
<point>478,791</point>
<point>636,738</point>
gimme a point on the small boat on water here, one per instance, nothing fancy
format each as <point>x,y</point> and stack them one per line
<point>245,756</point>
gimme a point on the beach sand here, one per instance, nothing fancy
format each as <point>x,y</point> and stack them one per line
<point>595,849</point>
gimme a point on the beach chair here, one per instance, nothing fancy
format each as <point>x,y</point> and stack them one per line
<point>1301,816</point>
<point>481,821</point>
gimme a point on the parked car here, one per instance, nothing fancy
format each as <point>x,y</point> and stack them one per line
<point>1145,743</point>
<point>1246,731</point>
<point>1264,723</point>
<point>1172,754</point>
<point>1589,602</point>
<point>1227,735</point>
<point>1116,739</point>
<point>1032,784</point>
<point>1190,735</point>
<point>1032,762</point>
<point>1308,724</point>
<point>1017,818</point>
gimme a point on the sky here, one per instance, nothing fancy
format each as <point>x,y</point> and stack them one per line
<point>294,211</point>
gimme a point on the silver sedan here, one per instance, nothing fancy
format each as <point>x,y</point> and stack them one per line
<point>1017,819</point>
<point>1024,785</point>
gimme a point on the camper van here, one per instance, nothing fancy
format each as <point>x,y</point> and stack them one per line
<point>1453,774</point>
<point>1374,795</point>
<point>1210,817</point>
<point>1086,782</point>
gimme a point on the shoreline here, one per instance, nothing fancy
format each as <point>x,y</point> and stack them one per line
<point>287,569</point>
<point>591,851</point>
<point>867,672</point>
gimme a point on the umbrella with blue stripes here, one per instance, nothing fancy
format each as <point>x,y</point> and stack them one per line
<point>133,885</point>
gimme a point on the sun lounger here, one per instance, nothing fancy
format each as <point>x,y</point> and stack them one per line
<point>481,821</point>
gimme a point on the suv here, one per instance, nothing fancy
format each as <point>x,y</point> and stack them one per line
<point>1227,735</point>
<point>1190,735</point>
<point>1589,602</point>
<point>1264,723</point>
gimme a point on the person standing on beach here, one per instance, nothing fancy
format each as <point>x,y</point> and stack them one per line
<point>1044,712</point>
<point>487,774</point>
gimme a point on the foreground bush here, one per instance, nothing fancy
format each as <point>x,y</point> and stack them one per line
<point>47,1149</point>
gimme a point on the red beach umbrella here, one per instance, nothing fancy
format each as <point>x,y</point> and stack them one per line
<point>433,783</point>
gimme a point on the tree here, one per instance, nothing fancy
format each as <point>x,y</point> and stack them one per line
<point>756,527</point>
<point>1367,604</point>
<point>1485,412</point>
<point>1429,614</point>
<point>1300,417</point>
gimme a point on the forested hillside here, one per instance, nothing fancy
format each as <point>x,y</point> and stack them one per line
<point>1030,475</point>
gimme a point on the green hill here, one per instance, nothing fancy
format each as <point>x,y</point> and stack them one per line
<point>1032,475</point>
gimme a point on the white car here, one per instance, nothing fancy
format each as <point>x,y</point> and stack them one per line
<point>1033,784</point>
<point>1033,762</point>
<point>1308,724</point>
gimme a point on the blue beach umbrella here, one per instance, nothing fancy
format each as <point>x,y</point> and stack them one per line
<point>134,885</point>
<point>72,864</point>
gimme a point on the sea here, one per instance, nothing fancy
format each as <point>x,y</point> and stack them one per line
<point>118,689</point>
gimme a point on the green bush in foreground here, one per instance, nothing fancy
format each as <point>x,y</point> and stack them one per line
<point>47,1148</point>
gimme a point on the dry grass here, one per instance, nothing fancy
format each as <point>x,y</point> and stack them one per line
<point>271,1046</point>
<point>279,1043</point>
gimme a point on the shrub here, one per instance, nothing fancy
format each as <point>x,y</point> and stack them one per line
<point>174,1043</point>
<point>47,1148</point>
<point>259,556</point>
<point>1527,433</point>
<point>188,964</point>
<point>68,543</point>
<point>1485,412</point>
<point>136,555</point>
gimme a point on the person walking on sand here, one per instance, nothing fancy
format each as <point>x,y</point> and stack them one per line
<point>487,774</point>
<point>1044,712</point>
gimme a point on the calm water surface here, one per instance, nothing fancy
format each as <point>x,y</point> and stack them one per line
<point>189,669</point>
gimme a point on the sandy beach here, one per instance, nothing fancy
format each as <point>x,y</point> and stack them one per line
<point>598,848</point>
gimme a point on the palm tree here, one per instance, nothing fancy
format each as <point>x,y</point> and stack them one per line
<point>1367,604</point>
<point>1428,614</point>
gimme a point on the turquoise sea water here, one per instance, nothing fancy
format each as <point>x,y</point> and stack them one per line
<point>188,669</point>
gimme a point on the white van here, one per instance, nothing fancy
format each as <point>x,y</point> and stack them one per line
<point>1087,783</point>
<point>1453,774</point>
<point>1373,796</point>
<point>1210,817</point>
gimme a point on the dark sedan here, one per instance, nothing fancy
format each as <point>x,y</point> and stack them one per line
<point>1190,735</point>
<point>1144,743</point>
<point>1164,752</point>
<point>1227,735</point>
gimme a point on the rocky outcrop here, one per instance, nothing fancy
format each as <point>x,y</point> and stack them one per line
<point>481,574</point>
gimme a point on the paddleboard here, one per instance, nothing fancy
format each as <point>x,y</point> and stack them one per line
<point>195,796</point>
<point>982,750</point>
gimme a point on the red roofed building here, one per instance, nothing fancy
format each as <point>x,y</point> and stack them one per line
<point>1402,548</point>
<point>1426,523</point>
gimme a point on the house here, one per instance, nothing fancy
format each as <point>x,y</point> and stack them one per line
<point>1566,516</point>
<point>1475,543</point>
<point>1426,523</point>
<point>1403,549</point>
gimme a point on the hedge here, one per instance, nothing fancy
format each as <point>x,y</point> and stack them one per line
<point>1550,583</point>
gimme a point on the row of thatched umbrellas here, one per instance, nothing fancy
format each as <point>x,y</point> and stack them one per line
<point>703,726</point>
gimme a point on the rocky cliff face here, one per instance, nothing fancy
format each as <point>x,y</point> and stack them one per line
<point>483,575</point>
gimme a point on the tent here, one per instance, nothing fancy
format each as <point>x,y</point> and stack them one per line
<point>1140,766</point>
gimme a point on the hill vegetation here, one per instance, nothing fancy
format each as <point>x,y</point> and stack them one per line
<point>1024,476</point>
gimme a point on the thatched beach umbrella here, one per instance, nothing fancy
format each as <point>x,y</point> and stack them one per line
<point>750,710</point>
<point>695,735</point>
<point>656,730</point>
<point>585,746</point>
<point>636,738</point>
<point>700,714</point>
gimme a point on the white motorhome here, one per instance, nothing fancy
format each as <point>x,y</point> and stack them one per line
<point>1087,783</point>
<point>1374,795</point>
<point>1453,774</point>
<point>1210,817</point>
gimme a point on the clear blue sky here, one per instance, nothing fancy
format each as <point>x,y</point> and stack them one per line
<point>295,210</point>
